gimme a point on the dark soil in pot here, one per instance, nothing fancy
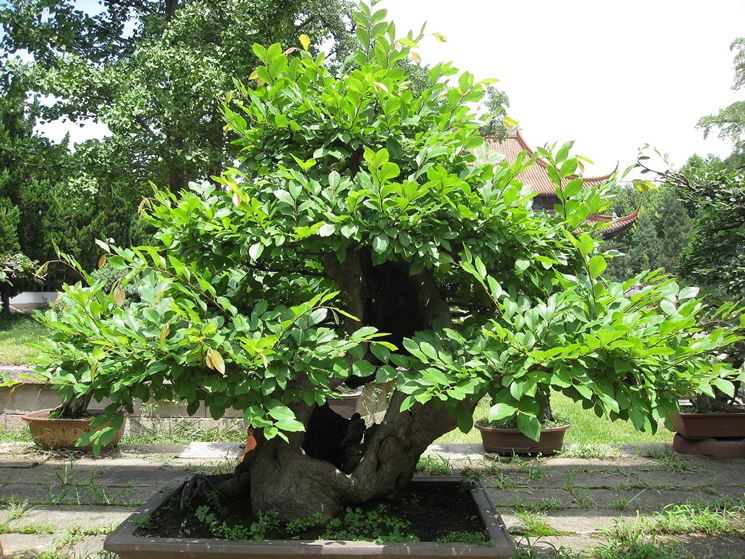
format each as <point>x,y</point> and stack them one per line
<point>421,512</point>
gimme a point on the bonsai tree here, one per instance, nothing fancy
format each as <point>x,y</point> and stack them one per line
<point>358,240</point>
<point>17,271</point>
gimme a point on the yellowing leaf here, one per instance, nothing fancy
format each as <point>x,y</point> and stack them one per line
<point>489,81</point>
<point>440,37</point>
<point>304,41</point>
<point>236,199</point>
<point>380,87</point>
<point>215,361</point>
<point>510,122</point>
<point>644,186</point>
<point>102,261</point>
<point>164,331</point>
<point>415,56</point>
<point>254,75</point>
<point>119,296</point>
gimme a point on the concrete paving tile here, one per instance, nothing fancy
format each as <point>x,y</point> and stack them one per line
<point>89,546</point>
<point>733,492</point>
<point>549,544</point>
<point>68,516</point>
<point>582,522</point>
<point>211,451</point>
<point>646,500</point>
<point>112,474</point>
<point>15,545</point>
<point>529,497</point>
<point>710,547</point>
<point>40,494</point>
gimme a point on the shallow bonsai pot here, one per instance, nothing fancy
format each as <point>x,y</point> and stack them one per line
<point>709,425</point>
<point>509,441</point>
<point>60,433</point>
<point>127,545</point>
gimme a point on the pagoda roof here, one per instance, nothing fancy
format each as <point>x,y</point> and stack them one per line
<point>536,177</point>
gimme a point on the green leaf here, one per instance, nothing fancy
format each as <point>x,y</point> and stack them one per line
<point>668,307</point>
<point>280,412</point>
<point>573,187</point>
<point>289,424</point>
<point>255,250</point>
<point>597,265</point>
<point>568,168</point>
<point>284,196</point>
<point>327,230</point>
<point>389,171</point>
<point>380,243</point>
<point>521,265</point>
<point>725,386</point>
<point>529,426</point>
<point>501,411</point>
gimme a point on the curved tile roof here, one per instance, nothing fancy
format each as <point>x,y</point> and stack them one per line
<point>537,178</point>
<point>535,175</point>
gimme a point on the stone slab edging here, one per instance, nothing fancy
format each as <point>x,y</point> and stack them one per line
<point>128,546</point>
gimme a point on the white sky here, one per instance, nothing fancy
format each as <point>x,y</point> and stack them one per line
<point>611,76</point>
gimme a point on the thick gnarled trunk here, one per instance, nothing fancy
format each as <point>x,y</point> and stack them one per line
<point>286,478</point>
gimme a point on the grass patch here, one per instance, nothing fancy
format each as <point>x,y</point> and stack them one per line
<point>434,465</point>
<point>587,428</point>
<point>15,436</point>
<point>536,526</point>
<point>183,433</point>
<point>17,333</point>
<point>638,548</point>
<point>717,518</point>
<point>27,529</point>
<point>586,451</point>
<point>542,506</point>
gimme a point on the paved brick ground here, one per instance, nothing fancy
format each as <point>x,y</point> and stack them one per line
<point>70,502</point>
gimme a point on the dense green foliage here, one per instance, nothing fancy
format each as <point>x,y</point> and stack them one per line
<point>245,297</point>
<point>33,210</point>
<point>17,272</point>
<point>658,237</point>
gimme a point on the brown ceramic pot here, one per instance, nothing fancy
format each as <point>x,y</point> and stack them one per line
<point>512,441</point>
<point>709,425</point>
<point>57,434</point>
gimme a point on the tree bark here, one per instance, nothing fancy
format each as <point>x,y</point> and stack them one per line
<point>285,479</point>
<point>5,296</point>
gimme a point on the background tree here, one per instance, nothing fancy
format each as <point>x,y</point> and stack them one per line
<point>659,236</point>
<point>730,121</point>
<point>358,240</point>
<point>154,72</point>
<point>32,172</point>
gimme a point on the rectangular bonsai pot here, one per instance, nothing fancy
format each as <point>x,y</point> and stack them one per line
<point>709,425</point>
<point>127,545</point>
